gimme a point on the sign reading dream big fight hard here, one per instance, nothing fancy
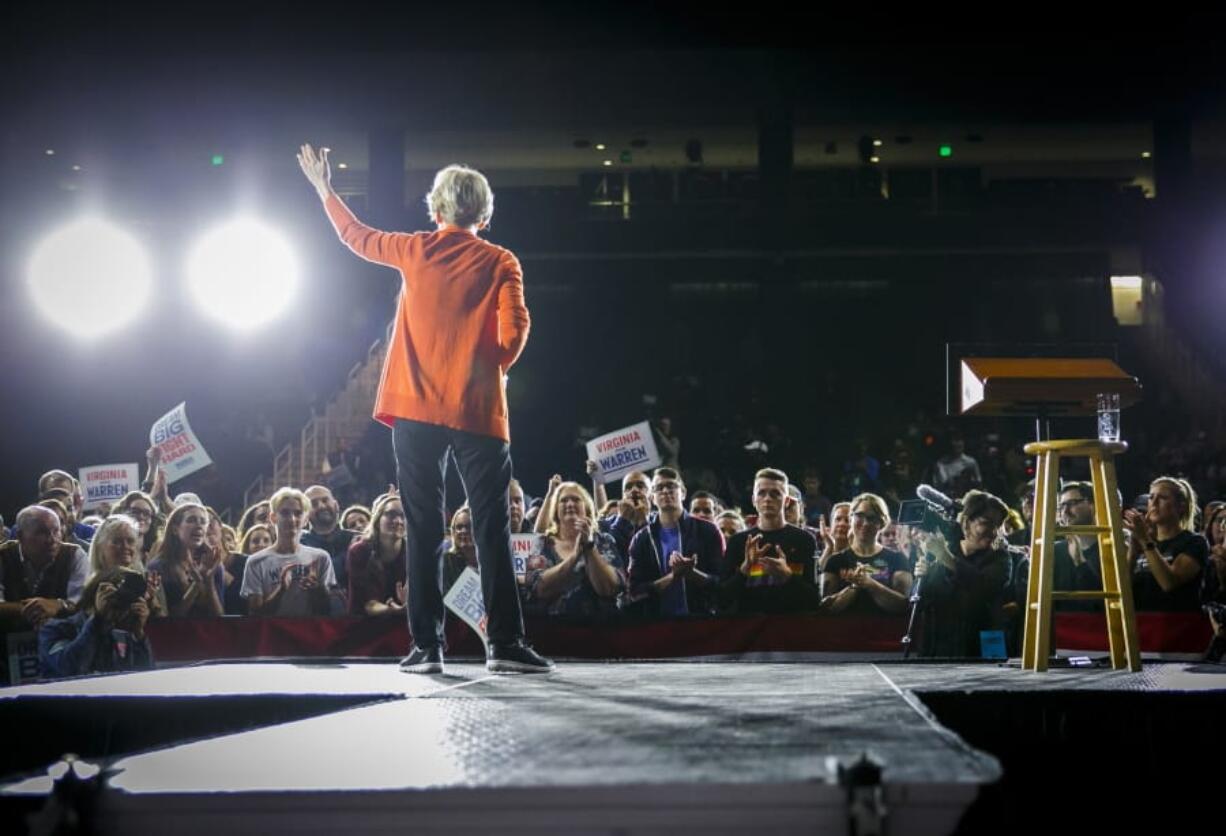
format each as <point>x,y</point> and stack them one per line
<point>182,452</point>
<point>107,483</point>
<point>524,547</point>
<point>620,452</point>
<point>464,599</point>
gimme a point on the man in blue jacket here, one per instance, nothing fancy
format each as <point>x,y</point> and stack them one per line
<point>675,558</point>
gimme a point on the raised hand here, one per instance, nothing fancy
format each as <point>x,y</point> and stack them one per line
<point>316,168</point>
<point>827,538</point>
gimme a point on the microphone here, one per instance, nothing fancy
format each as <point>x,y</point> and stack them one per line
<point>932,496</point>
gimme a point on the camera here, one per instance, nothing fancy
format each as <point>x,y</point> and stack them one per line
<point>131,588</point>
<point>926,516</point>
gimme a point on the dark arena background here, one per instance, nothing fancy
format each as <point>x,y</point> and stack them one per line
<point>773,234</point>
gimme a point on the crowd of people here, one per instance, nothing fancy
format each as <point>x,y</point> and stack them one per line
<point>89,583</point>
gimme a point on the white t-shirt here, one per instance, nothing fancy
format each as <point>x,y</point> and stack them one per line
<point>262,576</point>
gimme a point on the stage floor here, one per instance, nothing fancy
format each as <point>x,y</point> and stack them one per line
<point>627,748</point>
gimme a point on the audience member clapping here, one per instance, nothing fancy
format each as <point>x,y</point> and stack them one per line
<point>580,570</point>
<point>289,579</point>
<point>377,562</point>
<point>866,577</point>
<point>835,537</point>
<point>771,567</point>
<point>189,570</point>
<point>1168,556</point>
<point>325,531</point>
<point>675,559</point>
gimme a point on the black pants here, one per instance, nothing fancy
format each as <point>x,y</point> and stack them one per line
<point>485,469</point>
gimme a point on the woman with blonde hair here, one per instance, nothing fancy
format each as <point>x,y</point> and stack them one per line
<point>1167,553</point>
<point>580,570</point>
<point>866,575</point>
<point>462,553</point>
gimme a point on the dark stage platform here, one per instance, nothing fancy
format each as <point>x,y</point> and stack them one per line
<point>610,748</point>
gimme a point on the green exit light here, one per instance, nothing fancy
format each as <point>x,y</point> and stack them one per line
<point>218,159</point>
<point>626,157</point>
<point>947,151</point>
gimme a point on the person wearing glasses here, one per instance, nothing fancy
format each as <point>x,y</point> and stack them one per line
<point>866,577</point>
<point>140,507</point>
<point>675,558</point>
<point>963,582</point>
<point>1076,566</point>
<point>376,562</point>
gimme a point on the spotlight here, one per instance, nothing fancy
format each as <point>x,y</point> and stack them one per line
<point>90,277</point>
<point>242,273</point>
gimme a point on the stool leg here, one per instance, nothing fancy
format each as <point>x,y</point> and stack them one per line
<point>1030,634</point>
<point>1046,565</point>
<point>1123,573</point>
<point>1107,563</point>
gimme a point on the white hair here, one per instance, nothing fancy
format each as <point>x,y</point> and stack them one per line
<point>461,196</point>
<point>106,532</point>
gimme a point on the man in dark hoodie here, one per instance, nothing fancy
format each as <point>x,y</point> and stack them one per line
<point>675,558</point>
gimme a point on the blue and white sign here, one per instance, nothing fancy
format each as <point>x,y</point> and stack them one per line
<point>464,599</point>
<point>182,452</point>
<point>523,547</point>
<point>107,483</point>
<point>617,453</point>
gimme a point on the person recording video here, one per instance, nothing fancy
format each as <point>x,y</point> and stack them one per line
<point>106,634</point>
<point>963,581</point>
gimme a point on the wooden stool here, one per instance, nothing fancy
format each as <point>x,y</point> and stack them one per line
<point>1113,556</point>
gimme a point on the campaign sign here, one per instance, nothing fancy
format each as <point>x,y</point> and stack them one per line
<point>22,652</point>
<point>620,452</point>
<point>107,483</point>
<point>182,452</point>
<point>464,599</point>
<point>524,546</point>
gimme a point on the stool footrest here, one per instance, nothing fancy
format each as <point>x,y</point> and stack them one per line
<point>1081,596</point>
<point>1082,529</point>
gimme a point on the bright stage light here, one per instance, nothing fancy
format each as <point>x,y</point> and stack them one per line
<point>243,273</point>
<point>90,277</point>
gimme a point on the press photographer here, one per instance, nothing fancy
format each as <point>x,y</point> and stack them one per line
<point>962,579</point>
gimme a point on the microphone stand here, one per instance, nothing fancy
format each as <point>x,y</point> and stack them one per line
<point>914,601</point>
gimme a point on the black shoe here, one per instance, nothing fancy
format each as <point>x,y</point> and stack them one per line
<point>423,660</point>
<point>516,658</point>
